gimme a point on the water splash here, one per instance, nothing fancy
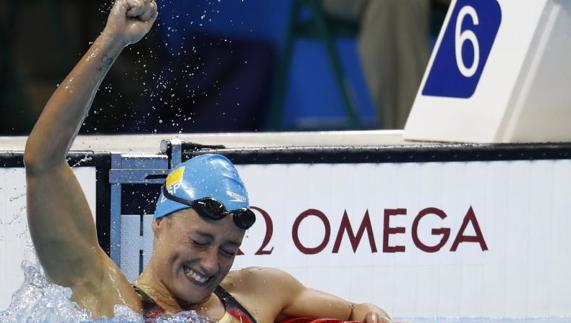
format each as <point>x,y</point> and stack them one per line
<point>39,300</point>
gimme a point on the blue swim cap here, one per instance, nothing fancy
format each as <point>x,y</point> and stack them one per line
<point>203,176</point>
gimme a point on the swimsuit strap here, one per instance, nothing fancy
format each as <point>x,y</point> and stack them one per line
<point>233,307</point>
<point>151,310</point>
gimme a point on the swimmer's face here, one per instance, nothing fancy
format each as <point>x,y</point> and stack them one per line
<point>193,254</point>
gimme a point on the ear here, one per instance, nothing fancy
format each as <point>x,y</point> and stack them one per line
<point>158,224</point>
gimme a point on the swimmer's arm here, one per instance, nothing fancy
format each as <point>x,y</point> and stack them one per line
<point>62,116</point>
<point>298,300</point>
<point>65,111</point>
<point>313,303</point>
<point>59,217</point>
<point>60,222</point>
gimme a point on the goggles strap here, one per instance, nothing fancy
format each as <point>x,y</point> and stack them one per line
<point>175,198</point>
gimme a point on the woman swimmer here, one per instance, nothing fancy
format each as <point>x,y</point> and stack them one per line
<point>195,238</point>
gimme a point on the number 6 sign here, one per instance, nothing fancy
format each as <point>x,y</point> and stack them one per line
<point>465,48</point>
<point>500,72</point>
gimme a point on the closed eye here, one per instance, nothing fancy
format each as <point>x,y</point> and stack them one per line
<point>199,243</point>
<point>229,253</point>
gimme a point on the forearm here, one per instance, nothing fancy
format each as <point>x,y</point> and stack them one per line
<point>65,111</point>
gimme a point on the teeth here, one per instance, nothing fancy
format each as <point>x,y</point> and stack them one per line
<point>195,276</point>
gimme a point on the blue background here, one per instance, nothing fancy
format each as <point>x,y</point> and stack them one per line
<point>312,92</point>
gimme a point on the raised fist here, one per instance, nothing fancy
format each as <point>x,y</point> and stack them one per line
<point>130,20</point>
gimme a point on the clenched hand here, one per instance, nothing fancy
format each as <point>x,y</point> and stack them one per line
<point>130,20</point>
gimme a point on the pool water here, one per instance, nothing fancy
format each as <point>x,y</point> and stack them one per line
<point>38,300</point>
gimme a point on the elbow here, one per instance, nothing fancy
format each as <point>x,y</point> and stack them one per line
<point>31,158</point>
<point>36,160</point>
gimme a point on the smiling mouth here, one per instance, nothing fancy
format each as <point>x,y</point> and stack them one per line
<point>195,276</point>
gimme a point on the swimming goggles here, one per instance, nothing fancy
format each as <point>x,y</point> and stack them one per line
<point>212,209</point>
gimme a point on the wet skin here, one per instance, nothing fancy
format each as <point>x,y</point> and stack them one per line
<point>191,256</point>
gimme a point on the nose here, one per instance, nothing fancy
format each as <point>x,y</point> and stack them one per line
<point>209,261</point>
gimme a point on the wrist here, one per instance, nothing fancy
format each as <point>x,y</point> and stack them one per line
<point>112,40</point>
<point>352,313</point>
<point>103,53</point>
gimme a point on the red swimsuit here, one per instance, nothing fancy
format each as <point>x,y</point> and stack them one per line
<point>152,310</point>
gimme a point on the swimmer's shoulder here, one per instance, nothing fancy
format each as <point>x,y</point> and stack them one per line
<point>263,291</point>
<point>261,280</point>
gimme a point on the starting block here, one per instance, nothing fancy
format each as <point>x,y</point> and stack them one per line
<point>500,73</point>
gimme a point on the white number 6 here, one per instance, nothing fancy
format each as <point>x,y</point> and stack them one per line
<point>466,35</point>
